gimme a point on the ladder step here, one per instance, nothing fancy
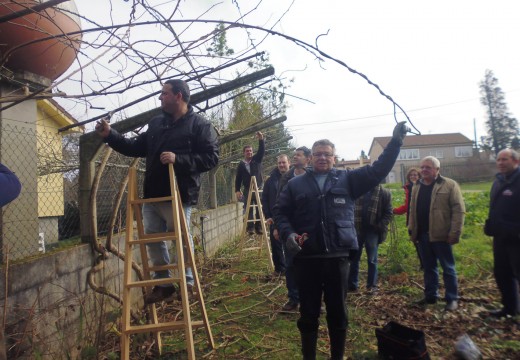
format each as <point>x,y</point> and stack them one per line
<point>153,282</point>
<point>151,200</point>
<point>172,266</point>
<point>167,326</point>
<point>155,237</point>
<point>151,240</point>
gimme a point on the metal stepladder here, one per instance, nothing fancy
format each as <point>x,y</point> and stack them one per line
<point>180,236</point>
<point>264,238</point>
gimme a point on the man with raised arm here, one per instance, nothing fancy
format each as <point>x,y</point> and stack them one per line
<point>180,137</point>
<point>315,218</point>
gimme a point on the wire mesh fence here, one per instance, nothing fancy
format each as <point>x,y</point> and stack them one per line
<point>47,211</point>
<point>46,164</point>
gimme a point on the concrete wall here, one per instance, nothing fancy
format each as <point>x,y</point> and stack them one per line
<point>221,225</point>
<point>51,310</point>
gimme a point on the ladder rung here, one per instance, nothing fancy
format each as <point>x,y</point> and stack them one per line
<point>172,325</point>
<point>151,240</point>
<point>153,282</point>
<point>151,200</point>
<point>172,266</point>
<point>155,237</point>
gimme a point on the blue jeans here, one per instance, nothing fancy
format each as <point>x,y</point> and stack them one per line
<point>157,218</point>
<point>290,278</point>
<point>441,251</point>
<point>369,239</point>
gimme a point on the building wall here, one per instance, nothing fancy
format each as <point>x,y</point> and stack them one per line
<point>397,174</point>
<point>48,227</point>
<point>50,153</point>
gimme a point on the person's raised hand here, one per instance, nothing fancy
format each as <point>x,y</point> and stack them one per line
<point>103,128</point>
<point>400,131</point>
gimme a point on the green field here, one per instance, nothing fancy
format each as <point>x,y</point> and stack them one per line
<point>243,301</point>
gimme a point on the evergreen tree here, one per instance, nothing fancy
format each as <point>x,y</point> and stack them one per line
<point>502,127</point>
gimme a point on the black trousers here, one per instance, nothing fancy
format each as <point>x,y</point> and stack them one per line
<point>317,278</point>
<point>506,253</point>
<point>277,252</point>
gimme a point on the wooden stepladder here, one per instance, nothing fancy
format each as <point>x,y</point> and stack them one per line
<point>180,236</point>
<point>264,238</point>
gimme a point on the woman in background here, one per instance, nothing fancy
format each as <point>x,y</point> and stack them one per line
<point>412,176</point>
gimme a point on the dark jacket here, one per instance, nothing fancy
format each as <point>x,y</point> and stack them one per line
<point>269,193</point>
<point>243,176</point>
<point>194,142</point>
<point>10,186</point>
<point>328,217</point>
<point>380,213</point>
<point>504,207</point>
<point>285,179</point>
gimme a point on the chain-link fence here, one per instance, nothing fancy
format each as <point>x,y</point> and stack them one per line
<point>47,211</point>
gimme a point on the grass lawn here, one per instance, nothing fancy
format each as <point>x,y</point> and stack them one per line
<point>243,302</point>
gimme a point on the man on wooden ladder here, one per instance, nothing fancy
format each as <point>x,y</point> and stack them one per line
<point>250,166</point>
<point>180,137</point>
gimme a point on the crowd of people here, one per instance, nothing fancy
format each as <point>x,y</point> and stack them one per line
<point>321,218</point>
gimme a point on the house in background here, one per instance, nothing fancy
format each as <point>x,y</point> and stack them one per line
<point>450,148</point>
<point>51,117</point>
<point>361,161</point>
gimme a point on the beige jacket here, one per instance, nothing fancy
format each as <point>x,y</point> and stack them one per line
<point>446,211</point>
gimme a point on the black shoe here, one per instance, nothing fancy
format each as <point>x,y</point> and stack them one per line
<point>499,313</point>
<point>250,231</point>
<point>426,301</point>
<point>158,294</point>
<point>451,305</point>
<point>352,289</point>
<point>259,231</point>
<point>290,305</point>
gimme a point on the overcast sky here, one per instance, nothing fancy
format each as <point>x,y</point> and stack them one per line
<point>428,56</point>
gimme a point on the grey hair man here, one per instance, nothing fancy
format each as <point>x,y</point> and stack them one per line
<point>436,221</point>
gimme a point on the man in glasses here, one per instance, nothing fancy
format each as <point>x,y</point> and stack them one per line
<point>315,218</point>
